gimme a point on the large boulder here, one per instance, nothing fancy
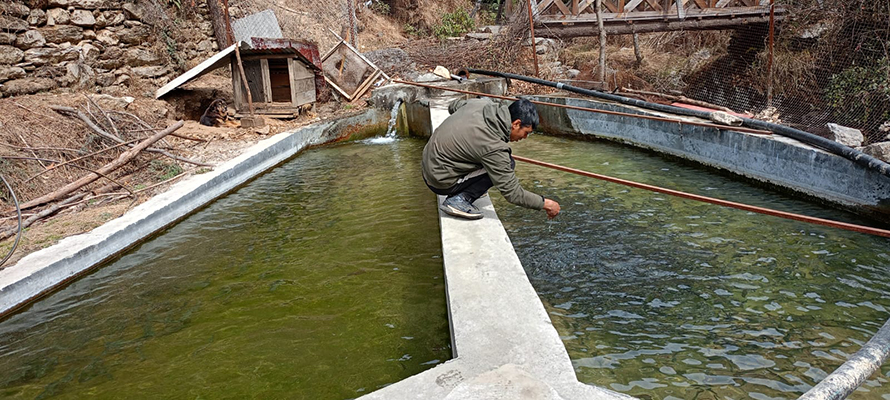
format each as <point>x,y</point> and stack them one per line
<point>880,150</point>
<point>50,55</point>
<point>845,135</point>
<point>12,24</point>
<point>8,72</point>
<point>57,16</point>
<point>62,34</point>
<point>30,40</point>
<point>10,55</point>
<point>24,86</point>
<point>83,18</point>
<point>137,57</point>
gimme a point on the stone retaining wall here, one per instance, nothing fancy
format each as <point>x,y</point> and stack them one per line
<point>103,43</point>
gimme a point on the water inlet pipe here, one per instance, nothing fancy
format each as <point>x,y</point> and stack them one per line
<point>831,146</point>
<point>850,375</point>
<point>726,203</point>
<point>543,103</point>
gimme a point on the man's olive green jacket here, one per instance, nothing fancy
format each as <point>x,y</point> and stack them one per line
<point>475,136</point>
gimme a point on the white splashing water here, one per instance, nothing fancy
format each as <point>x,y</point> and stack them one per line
<point>390,129</point>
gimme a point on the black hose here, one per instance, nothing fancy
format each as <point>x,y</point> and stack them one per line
<point>18,234</point>
<point>831,146</point>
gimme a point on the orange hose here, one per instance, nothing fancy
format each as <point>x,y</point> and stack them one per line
<point>726,203</point>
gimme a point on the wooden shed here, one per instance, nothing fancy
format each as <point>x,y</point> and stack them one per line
<point>280,76</point>
<point>283,75</point>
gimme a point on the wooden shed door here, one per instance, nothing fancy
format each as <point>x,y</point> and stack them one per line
<point>303,90</point>
<point>254,71</point>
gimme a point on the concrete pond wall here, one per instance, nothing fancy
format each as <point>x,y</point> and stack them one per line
<point>772,159</point>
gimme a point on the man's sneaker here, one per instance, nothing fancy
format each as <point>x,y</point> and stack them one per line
<point>459,206</point>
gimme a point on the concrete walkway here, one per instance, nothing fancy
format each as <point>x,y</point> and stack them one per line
<point>504,344</point>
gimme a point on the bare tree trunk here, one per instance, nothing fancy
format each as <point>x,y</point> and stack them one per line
<point>599,23</point>
<point>637,53</point>
<point>497,20</point>
<point>219,17</point>
<point>476,8</point>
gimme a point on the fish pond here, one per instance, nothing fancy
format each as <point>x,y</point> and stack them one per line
<point>666,298</point>
<point>321,279</point>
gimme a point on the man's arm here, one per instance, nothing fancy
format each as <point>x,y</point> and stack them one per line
<point>455,105</point>
<point>497,164</point>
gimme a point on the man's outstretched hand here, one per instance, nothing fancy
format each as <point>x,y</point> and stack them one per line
<point>551,208</point>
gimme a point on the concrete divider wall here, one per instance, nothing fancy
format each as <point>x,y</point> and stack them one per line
<point>47,269</point>
<point>771,159</point>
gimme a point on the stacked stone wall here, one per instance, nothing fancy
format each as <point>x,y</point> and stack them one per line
<point>106,44</point>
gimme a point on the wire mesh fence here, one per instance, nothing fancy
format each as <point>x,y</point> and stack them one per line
<point>312,20</point>
<point>828,62</point>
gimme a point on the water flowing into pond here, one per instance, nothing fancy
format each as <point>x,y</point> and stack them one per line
<point>321,279</point>
<point>666,298</point>
<point>390,127</point>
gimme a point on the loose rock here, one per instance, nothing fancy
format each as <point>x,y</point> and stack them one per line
<point>845,135</point>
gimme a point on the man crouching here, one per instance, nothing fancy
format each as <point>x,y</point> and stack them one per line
<point>468,154</point>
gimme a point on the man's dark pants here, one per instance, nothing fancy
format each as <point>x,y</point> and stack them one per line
<point>474,186</point>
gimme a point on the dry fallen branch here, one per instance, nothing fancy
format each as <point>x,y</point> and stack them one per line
<point>75,166</point>
<point>53,167</point>
<point>43,214</point>
<point>87,121</point>
<point>105,134</point>
<point>120,161</point>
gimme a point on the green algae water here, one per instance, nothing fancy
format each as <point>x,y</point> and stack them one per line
<point>665,298</point>
<point>321,279</point>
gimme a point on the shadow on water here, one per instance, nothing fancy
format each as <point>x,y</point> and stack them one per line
<point>661,297</point>
<point>322,279</point>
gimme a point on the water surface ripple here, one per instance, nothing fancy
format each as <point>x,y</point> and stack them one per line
<point>666,298</point>
<point>321,279</point>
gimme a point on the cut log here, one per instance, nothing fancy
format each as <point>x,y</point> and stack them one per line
<point>117,163</point>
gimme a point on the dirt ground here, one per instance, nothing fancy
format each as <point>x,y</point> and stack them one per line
<point>34,138</point>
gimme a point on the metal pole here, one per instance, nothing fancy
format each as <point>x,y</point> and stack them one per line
<point>531,24</point>
<point>769,66</point>
<point>881,343</point>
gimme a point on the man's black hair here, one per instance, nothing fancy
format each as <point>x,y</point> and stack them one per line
<point>525,112</point>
